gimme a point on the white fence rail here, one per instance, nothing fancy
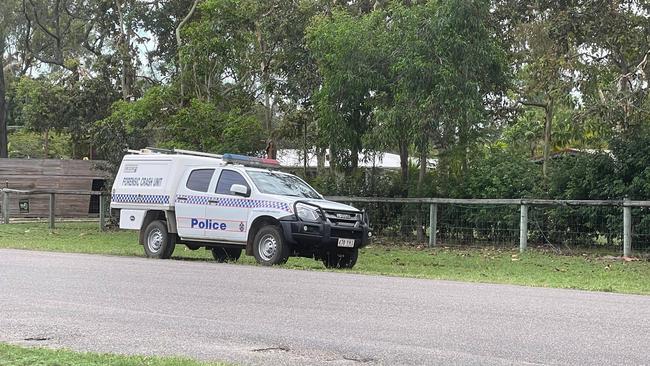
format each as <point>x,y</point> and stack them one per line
<point>424,207</point>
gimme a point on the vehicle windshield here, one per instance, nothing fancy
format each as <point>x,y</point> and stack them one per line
<point>282,184</point>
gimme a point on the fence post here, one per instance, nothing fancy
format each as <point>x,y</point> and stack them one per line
<point>433,224</point>
<point>52,209</point>
<point>102,212</point>
<point>627,229</point>
<point>523,228</point>
<point>5,207</point>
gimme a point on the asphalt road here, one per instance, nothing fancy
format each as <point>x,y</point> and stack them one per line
<point>272,316</point>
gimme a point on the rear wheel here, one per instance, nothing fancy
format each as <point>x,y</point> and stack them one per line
<point>222,254</point>
<point>341,258</point>
<point>269,247</point>
<point>158,243</point>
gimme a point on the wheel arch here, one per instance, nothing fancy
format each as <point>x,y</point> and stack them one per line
<point>149,217</point>
<point>257,224</point>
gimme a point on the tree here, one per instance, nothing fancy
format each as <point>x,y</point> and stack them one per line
<point>4,152</point>
<point>43,108</point>
<point>8,29</point>
<point>614,55</point>
<point>90,100</point>
<point>261,35</point>
<point>54,30</point>
<point>583,58</point>
<point>543,57</point>
<point>346,53</point>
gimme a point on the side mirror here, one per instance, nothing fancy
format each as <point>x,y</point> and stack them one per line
<point>239,190</point>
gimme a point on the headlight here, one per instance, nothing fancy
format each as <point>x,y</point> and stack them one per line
<point>307,213</point>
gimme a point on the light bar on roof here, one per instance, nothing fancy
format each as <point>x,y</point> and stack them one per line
<point>251,161</point>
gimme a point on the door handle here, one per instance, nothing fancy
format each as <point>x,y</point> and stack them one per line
<point>181,198</point>
<point>213,201</point>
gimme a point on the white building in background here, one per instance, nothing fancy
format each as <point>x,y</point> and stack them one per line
<point>293,158</point>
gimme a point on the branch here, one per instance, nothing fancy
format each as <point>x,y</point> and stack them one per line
<point>87,45</point>
<point>149,79</point>
<point>40,25</point>
<point>27,61</point>
<point>182,23</point>
<point>48,61</point>
<point>533,104</point>
<point>236,85</point>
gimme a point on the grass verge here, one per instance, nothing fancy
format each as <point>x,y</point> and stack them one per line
<point>585,271</point>
<point>25,356</point>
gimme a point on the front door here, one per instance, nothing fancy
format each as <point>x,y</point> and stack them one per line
<point>226,212</point>
<point>191,201</point>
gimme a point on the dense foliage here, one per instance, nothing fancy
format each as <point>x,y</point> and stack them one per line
<point>490,89</point>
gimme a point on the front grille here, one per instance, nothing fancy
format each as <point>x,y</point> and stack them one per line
<point>343,218</point>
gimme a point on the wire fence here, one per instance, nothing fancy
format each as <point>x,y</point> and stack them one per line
<point>560,226</point>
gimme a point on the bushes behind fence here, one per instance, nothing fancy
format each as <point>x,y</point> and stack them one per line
<point>496,172</point>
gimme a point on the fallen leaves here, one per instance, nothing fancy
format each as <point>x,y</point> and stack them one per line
<point>630,259</point>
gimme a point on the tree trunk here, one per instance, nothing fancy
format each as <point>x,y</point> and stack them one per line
<point>403,162</point>
<point>320,160</point>
<point>547,135</point>
<point>46,144</point>
<point>356,142</point>
<point>304,147</point>
<point>354,157</point>
<point>404,165</point>
<point>420,189</point>
<point>127,78</point>
<point>266,87</point>
<point>4,148</point>
<point>179,44</point>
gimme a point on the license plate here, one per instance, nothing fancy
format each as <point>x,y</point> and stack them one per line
<point>346,243</point>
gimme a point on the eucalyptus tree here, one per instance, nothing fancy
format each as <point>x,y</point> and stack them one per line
<point>581,56</point>
<point>9,31</point>
<point>614,55</point>
<point>545,73</point>
<point>256,38</point>
<point>56,28</point>
<point>347,53</point>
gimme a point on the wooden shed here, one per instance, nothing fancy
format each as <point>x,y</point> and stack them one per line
<point>52,174</point>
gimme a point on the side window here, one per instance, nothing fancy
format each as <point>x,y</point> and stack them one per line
<point>227,179</point>
<point>199,180</point>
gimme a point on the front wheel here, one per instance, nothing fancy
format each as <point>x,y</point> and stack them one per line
<point>341,259</point>
<point>269,247</point>
<point>221,254</point>
<point>158,243</point>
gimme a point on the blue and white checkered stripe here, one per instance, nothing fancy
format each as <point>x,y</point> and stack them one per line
<point>193,200</point>
<point>155,199</point>
<point>237,202</point>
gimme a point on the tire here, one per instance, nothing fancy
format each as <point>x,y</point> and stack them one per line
<point>158,243</point>
<point>269,247</point>
<point>341,259</point>
<point>221,254</point>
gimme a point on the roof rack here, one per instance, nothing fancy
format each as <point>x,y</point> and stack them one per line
<point>249,161</point>
<point>149,150</point>
<point>155,150</point>
<point>196,153</point>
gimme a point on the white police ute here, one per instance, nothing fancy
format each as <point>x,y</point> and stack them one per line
<point>229,203</point>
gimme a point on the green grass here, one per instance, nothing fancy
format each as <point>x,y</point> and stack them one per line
<point>587,271</point>
<point>23,356</point>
